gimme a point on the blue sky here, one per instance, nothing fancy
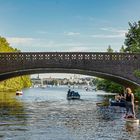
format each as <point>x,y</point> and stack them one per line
<point>67,25</point>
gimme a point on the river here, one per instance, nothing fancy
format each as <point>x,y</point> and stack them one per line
<point>45,114</point>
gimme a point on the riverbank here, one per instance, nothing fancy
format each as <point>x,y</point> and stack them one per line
<point>14,84</point>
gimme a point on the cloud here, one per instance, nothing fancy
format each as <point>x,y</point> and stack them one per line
<point>61,45</point>
<point>114,30</point>
<point>109,36</point>
<point>115,33</point>
<point>71,33</point>
<point>19,40</point>
<point>40,44</point>
<point>78,49</point>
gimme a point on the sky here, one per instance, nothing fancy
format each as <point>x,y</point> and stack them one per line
<point>67,25</point>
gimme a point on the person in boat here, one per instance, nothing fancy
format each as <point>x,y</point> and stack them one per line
<point>118,97</point>
<point>129,97</point>
<point>69,92</point>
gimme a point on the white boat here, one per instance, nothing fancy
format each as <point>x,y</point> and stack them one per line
<point>19,92</point>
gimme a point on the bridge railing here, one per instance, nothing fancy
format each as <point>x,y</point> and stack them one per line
<point>34,56</point>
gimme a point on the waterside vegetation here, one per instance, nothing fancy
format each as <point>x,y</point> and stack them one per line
<point>132,44</point>
<point>16,83</point>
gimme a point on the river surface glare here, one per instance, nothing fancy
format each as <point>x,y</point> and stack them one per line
<point>45,114</point>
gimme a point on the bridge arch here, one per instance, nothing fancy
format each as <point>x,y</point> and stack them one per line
<point>120,80</point>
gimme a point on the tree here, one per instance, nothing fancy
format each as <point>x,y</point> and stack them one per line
<point>109,86</point>
<point>4,45</point>
<point>137,73</point>
<point>122,49</point>
<point>132,40</point>
<point>16,83</point>
<point>109,49</point>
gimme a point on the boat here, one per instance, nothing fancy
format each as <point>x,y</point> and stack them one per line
<point>120,103</point>
<point>72,95</point>
<point>19,92</point>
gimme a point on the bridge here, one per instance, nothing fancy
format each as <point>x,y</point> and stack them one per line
<point>118,67</point>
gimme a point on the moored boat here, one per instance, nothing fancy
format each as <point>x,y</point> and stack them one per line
<point>117,103</point>
<point>19,92</point>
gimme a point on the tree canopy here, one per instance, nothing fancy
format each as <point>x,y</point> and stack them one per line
<point>109,49</point>
<point>132,40</point>
<point>16,83</point>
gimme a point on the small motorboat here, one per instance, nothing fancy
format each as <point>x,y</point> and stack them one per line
<point>120,103</point>
<point>72,95</point>
<point>19,93</point>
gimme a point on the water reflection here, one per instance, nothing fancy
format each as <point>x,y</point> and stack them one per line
<point>11,109</point>
<point>131,127</point>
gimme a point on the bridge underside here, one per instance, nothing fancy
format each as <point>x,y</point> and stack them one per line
<point>120,80</point>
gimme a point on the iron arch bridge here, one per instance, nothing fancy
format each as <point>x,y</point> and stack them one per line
<point>118,67</point>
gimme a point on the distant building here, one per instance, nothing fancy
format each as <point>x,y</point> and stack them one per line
<point>75,80</point>
<point>36,81</point>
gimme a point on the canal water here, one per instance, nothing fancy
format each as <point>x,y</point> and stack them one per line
<point>45,114</point>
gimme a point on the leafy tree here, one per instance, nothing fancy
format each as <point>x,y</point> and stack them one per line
<point>4,45</point>
<point>132,40</point>
<point>109,86</point>
<point>132,43</point>
<point>137,73</point>
<point>16,83</point>
<point>137,94</point>
<point>109,49</point>
<point>122,49</point>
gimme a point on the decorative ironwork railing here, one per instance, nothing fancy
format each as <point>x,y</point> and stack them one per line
<point>33,56</point>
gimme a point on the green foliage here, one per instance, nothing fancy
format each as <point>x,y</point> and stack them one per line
<point>12,106</point>
<point>132,40</point>
<point>122,49</point>
<point>109,49</point>
<point>137,73</point>
<point>109,86</point>
<point>4,45</point>
<point>17,83</point>
<point>137,94</point>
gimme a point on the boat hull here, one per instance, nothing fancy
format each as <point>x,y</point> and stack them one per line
<point>72,95</point>
<point>19,93</point>
<point>114,103</point>
<point>73,98</point>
